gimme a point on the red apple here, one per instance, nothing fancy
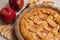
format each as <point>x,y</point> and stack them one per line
<point>16,4</point>
<point>8,15</point>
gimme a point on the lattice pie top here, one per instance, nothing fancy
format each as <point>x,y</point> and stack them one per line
<point>41,24</point>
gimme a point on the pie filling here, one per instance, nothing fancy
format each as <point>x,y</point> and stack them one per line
<point>41,24</point>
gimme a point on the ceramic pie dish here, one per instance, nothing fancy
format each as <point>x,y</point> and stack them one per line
<point>38,22</point>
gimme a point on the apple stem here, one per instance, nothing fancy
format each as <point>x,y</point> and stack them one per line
<point>7,11</point>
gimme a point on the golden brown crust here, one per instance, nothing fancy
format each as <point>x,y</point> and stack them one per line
<point>48,3</point>
<point>40,24</point>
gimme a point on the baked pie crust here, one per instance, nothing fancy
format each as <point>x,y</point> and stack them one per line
<point>40,23</point>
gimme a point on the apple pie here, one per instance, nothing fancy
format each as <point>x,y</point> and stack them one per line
<point>41,23</point>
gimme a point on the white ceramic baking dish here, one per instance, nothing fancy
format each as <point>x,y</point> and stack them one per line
<point>26,10</point>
